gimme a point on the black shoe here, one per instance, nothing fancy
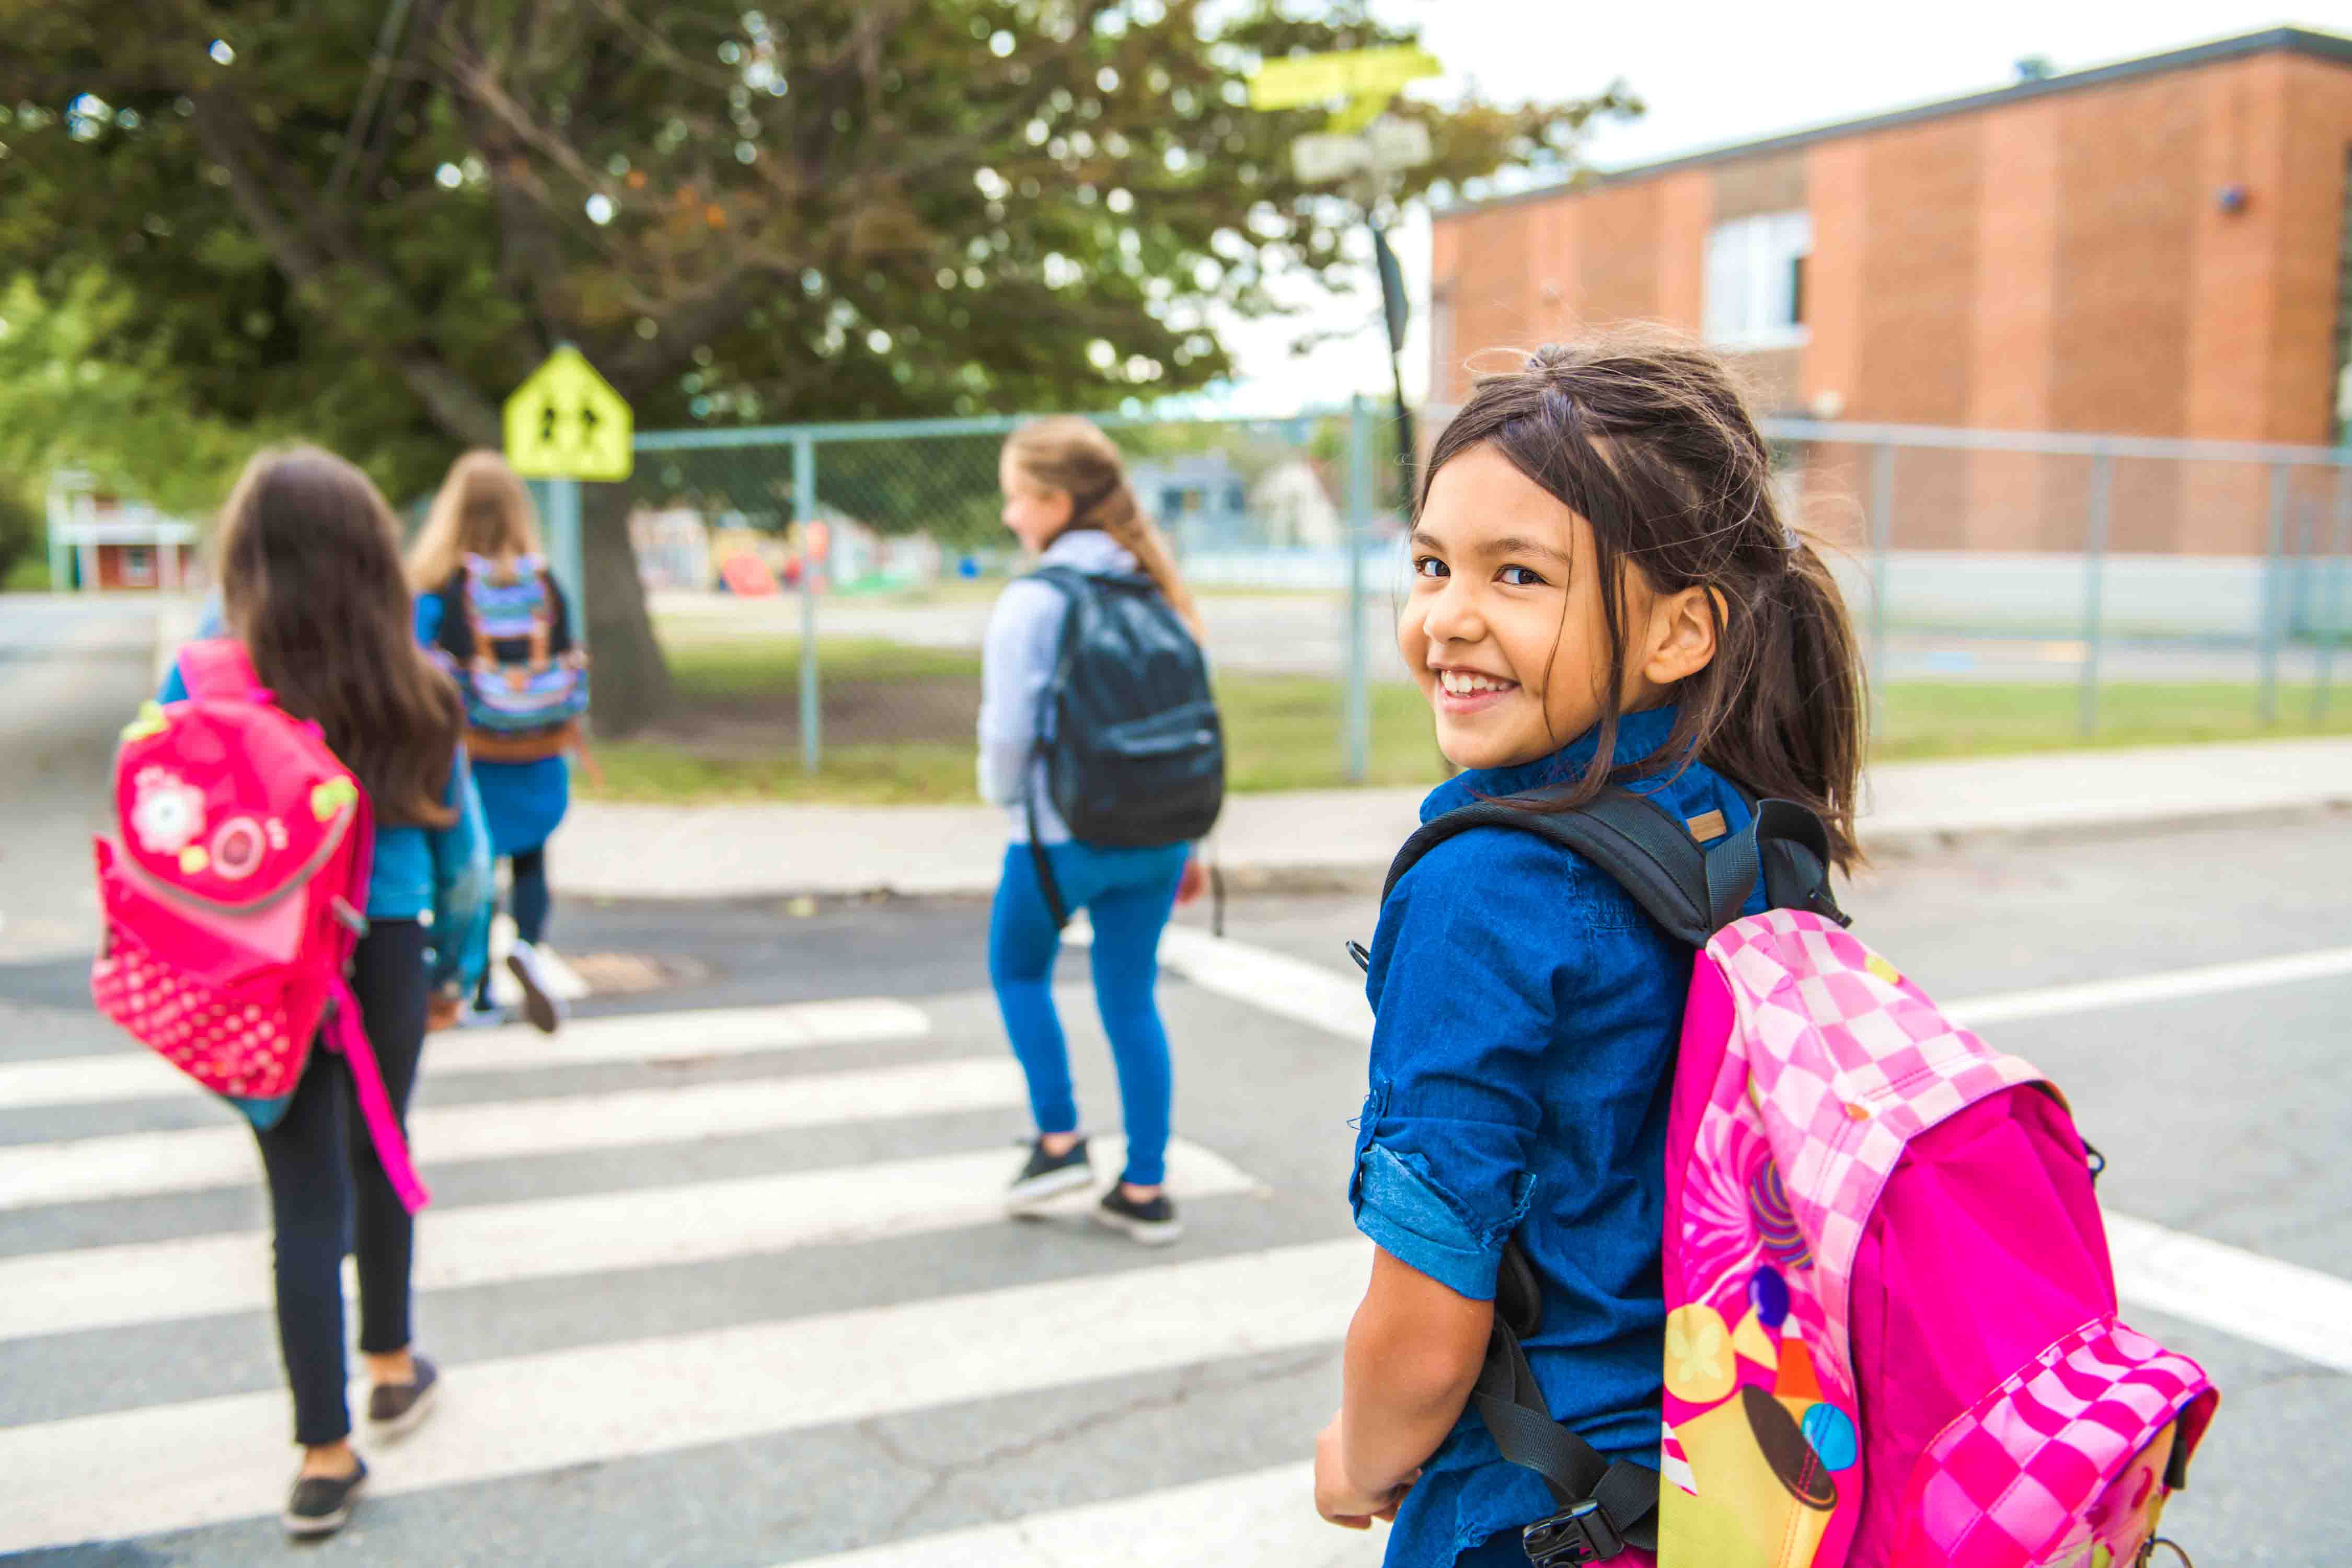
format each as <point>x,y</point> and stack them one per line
<point>1048,1176</point>
<point>1154,1223</point>
<point>321,1503</point>
<point>396,1409</point>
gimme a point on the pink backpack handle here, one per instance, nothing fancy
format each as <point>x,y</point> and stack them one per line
<point>220,668</point>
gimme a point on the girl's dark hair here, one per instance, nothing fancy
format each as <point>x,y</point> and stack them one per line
<point>311,583</point>
<point>1643,434</point>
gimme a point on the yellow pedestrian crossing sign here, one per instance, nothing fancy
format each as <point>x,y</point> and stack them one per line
<point>567,423</point>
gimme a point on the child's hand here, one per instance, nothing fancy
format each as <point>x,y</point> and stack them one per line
<point>440,1013</point>
<point>1194,879</point>
<point>1336,1497</point>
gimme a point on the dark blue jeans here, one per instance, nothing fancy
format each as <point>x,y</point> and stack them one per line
<point>1128,894</point>
<point>328,1195</point>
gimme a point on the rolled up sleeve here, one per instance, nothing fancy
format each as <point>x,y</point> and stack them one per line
<point>1465,978</point>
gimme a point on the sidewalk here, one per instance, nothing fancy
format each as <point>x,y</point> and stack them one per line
<point>1344,837</point>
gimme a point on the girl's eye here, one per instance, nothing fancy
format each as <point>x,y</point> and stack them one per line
<point>1521,577</point>
<point>1428,566</point>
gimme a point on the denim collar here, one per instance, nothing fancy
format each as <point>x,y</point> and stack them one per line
<point>1638,735</point>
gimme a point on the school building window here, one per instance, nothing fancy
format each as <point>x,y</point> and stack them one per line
<point>137,566</point>
<point>1756,280</point>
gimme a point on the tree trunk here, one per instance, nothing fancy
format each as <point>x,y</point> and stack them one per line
<point>631,688</point>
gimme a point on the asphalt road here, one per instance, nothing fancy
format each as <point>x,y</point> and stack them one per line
<point>73,670</point>
<point>719,1281</point>
<point>840,1348</point>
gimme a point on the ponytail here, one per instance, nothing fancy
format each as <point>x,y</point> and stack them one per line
<point>1072,455</point>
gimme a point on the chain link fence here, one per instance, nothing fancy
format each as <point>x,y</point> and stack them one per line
<point>823,590</point>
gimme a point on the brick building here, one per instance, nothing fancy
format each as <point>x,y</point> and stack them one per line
<point>2152,248</point>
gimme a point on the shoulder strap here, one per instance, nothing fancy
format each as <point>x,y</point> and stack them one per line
<point>1691,892</point>
<point>1072,586</point>
<point>220,667</point>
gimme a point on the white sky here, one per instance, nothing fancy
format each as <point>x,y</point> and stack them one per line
<point>1715,73</point>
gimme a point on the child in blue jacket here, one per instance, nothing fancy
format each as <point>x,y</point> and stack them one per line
<point>1604,591</point>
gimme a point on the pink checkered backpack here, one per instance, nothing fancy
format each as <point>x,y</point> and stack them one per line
<point>1891,1332</point>
<point>233,894</point>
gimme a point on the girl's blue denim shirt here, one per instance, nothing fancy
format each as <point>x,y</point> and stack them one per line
<point>444,873</point>
<point>1527,1014</point>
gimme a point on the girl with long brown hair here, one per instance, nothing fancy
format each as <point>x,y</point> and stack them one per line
<point>487,603</point>
<point>1067,500</point>
<point>311,584</point>
<point>1604,592</point>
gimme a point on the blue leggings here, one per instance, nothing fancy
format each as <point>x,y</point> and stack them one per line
<point>1128,894</point>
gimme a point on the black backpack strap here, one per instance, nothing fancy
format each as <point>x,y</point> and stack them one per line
<point>1691,892</point>
<point>1072,584</point>
<point>1648,853</point>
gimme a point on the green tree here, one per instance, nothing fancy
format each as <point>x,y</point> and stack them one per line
<point>370,219</point>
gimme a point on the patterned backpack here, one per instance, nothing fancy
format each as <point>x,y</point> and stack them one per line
<point>1891,1332</point>
<point>233,894</point>
<point>503,636</point>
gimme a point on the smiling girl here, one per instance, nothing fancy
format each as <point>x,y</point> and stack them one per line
<point>1603,592</point>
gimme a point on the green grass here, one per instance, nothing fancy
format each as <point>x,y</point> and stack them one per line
<point>29,575</point>
<point>1282,730</point>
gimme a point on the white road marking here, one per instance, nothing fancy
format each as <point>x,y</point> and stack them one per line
<point>2282,1305</point>
<point>629,1037</point>
<point>1264,1519</point>
<point>1310,994</point>
<point>2240,1293</point>
<point>136,1164</point>
<point>2138,990</point>
<point>191,1277</point>
<point>211,1460</point>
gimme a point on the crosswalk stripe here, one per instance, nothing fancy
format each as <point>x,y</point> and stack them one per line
<point>140,1164</point>
<point>2167,986</point>
<point>189,1277</point>
<point>213,1460</point>
<point>629,1037</point>
<point>1264,1519</point>
<point>2271,1302</point>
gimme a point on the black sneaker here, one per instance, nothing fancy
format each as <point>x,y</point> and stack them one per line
<point>1154,1223</point>
<point>321,1503</point>
<point>1048,1176</point>
<point>396,1409</point>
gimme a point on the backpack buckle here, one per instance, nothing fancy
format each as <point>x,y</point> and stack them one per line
<point>1576,1536</point>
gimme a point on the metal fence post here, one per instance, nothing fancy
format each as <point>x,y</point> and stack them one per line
<point>565,553</point>
<point>2274,577</point>
<point>1882,543</point>
<point>805,513</point>
<point>1355,705</point>
<point>2332,569</point>
<point>2095,558</point>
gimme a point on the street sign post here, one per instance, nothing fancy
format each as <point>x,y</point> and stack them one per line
<point>565,424</point>
<point>1363,150</point>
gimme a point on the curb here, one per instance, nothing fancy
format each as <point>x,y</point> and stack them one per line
<point>1907,842</point>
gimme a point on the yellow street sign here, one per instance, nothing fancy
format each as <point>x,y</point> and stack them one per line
<point>567,423</point>
<point>1315,79</point>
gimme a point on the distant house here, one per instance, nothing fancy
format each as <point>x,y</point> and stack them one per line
<point>1200,499</point>
<point>99,541</point>
<point>1293,509</point>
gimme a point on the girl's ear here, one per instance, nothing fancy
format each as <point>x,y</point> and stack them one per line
<point>1684,628</point>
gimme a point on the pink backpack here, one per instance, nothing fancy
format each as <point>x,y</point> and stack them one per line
<point>232,896</point>
<point>1891,1332</point>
